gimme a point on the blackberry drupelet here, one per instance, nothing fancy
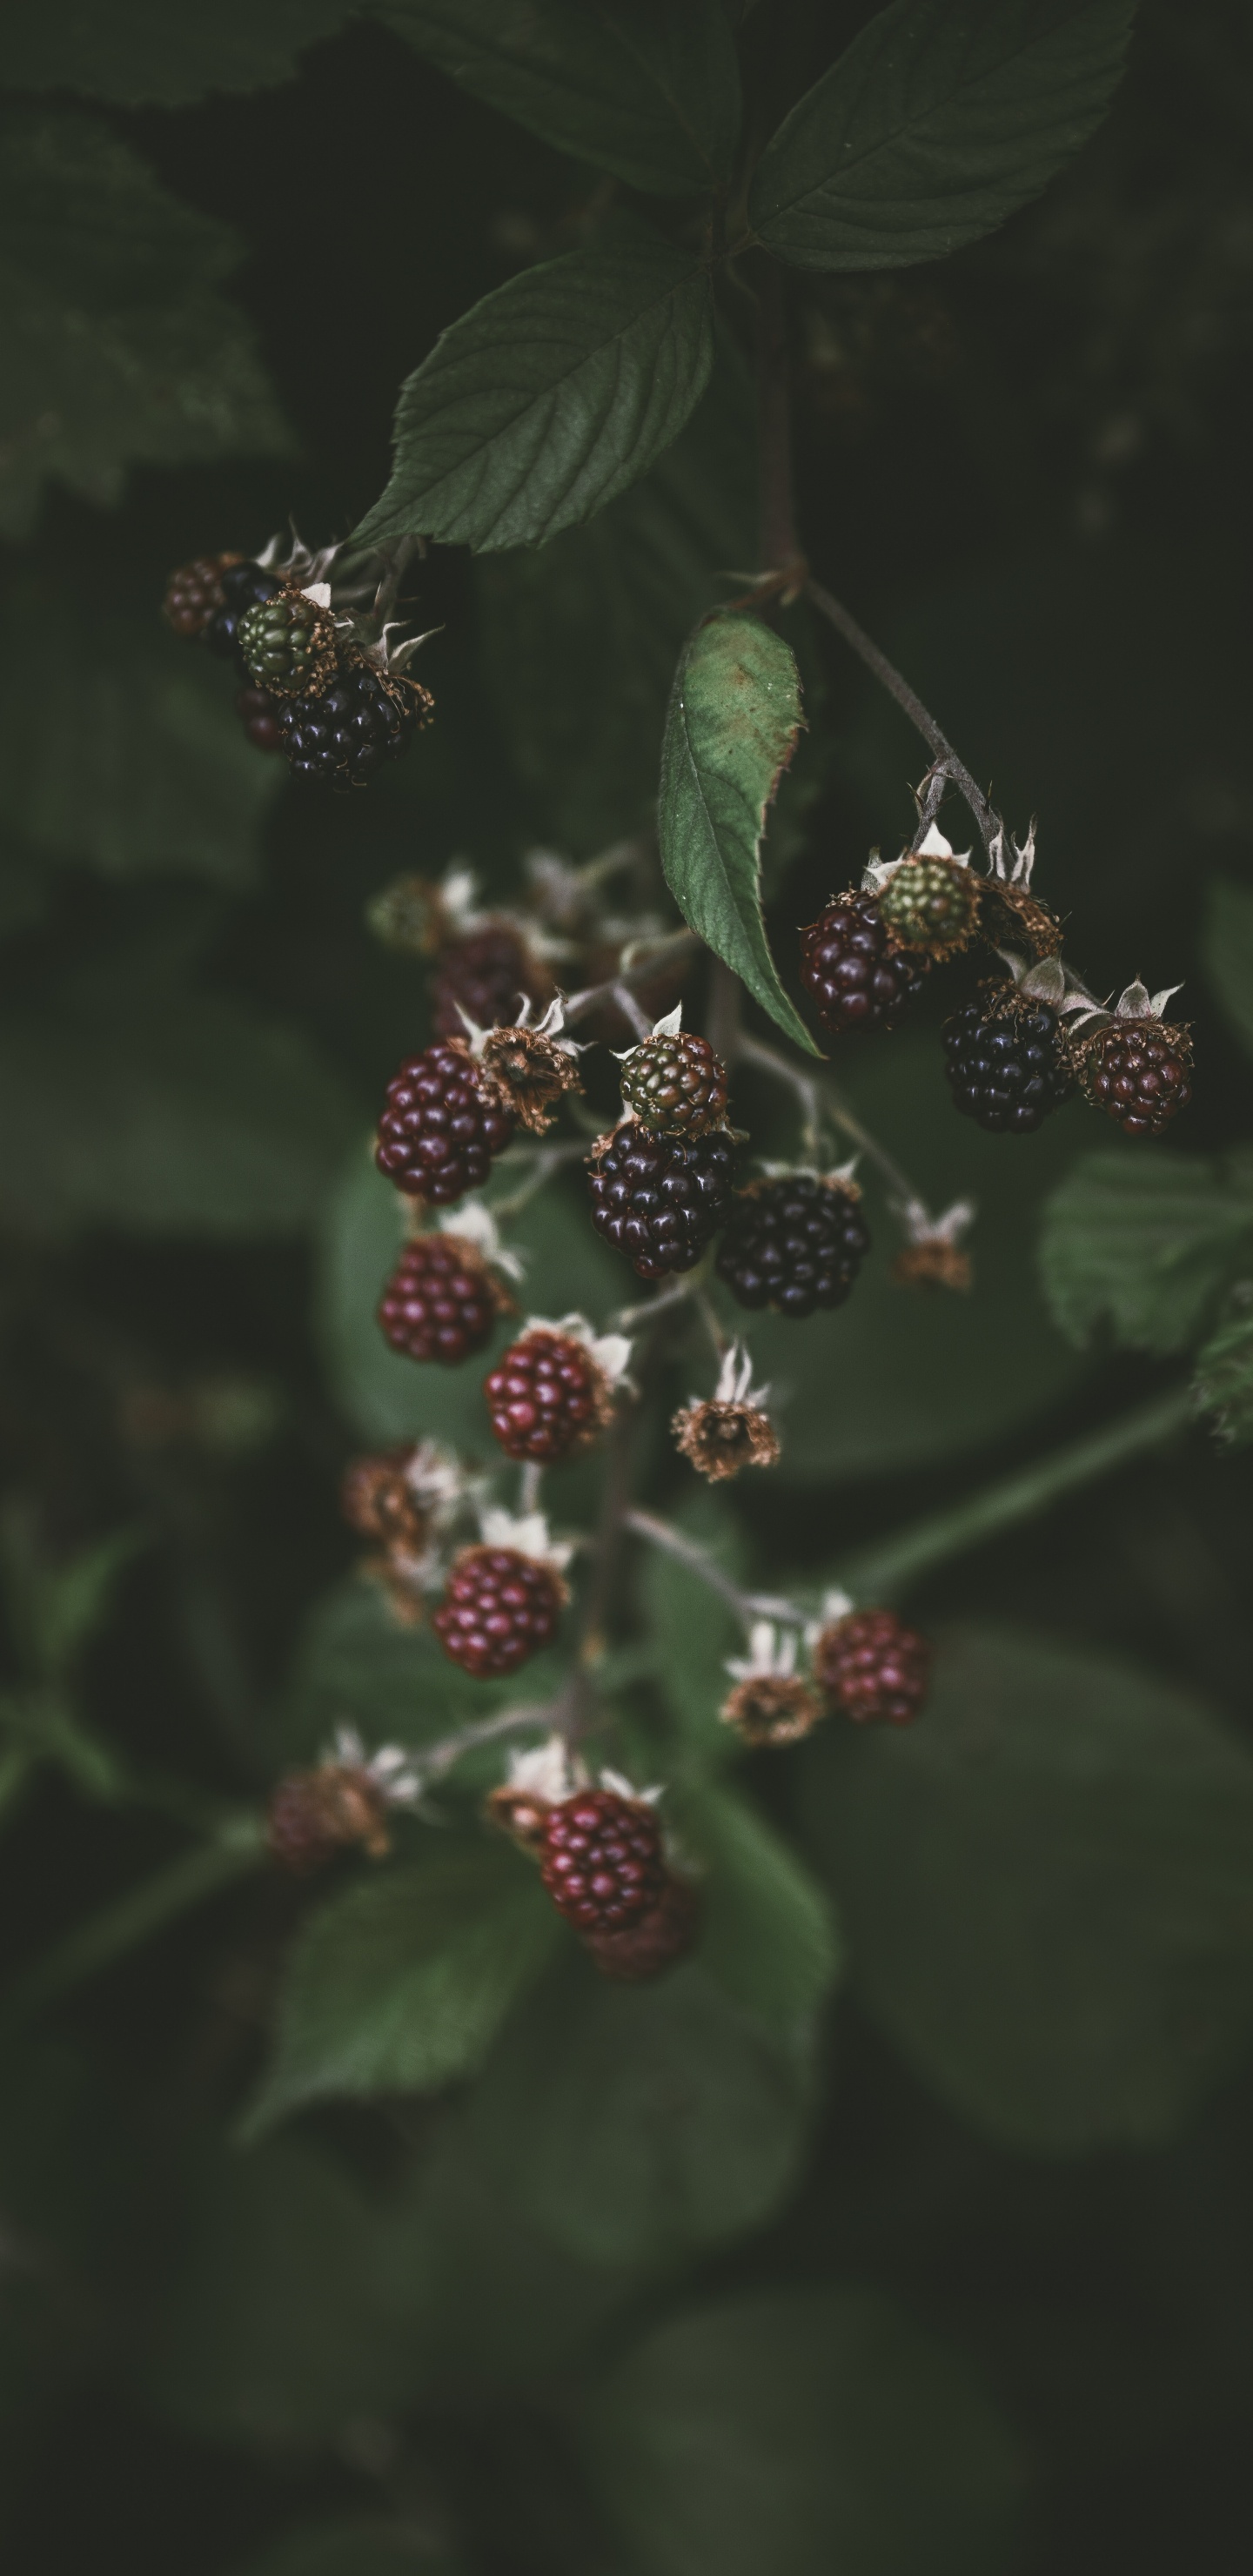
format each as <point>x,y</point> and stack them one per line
<point>853,975</point>
<point>499,1607</point>
<point>675,1086</point>
<point>547,1397</point>
<point>659,1199</point>
<point>795,1243</point>
<point>873,1667</point>
<point>442,1123</point>
<point>1005,1064</point>
<point>442,1300</point>
<point>602,1863</point>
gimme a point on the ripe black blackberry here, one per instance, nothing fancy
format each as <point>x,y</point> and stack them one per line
<point>442,1123</point>
<point>499,1607</point>
<point>487,973</point>
<point>852,972</point>
<point>794,1243</point>
<point>547,1397</point>
<point>873,1667</point>
<point>1005,1065</point>
<point>193,594</point>
<point>340,736</point>
<point>442,1300</point>
<point>258,714</point>
<point>602,1862</point>
<point>241,584</point>
<point>658,1199</point>
<point>1137,1071</point>
<point>675,1085</point>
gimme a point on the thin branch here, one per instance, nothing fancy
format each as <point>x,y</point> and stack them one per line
<point>547,1160</point>
<point>631,971</point>
<point>439,1758</point>
<point>635,1319</point>
<point>631,1011</point>
<point>752,1051</point>
<point>898,687</point>
<point>818,1098</point>
<point>530,1482</point>
<point>746,1605</point>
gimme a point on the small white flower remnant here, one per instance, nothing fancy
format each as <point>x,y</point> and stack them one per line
<point>669,1027</point>
<point>527,1533</point>
<point>836,1605</point>
<point>878,872</point>
<point>932,1255</point>
<point>771,1703</point>
<point>537,1777</point>
<point>1008,890</point>
<point>731,1429</point>
<point>610,1353</point>
<point>392,1771</point>
<point>345,1800</point>
<point>472,1222</point>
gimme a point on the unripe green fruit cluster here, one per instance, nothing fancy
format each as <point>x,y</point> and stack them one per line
<point>931,903</point>
<point>281,643</point>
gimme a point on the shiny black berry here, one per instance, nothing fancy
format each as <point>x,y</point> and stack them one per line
<point>795,1243</point>
<point>340,736</point>
<point>853,975</point>
<point>241,585</point>
<point>442,1123</point>
<point>1006,1072</point>
<point>658,1199</point>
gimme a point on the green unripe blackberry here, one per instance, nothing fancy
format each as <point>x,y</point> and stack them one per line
<point>288,644</point>
<point>932,904</point>
<point>675,1085</point>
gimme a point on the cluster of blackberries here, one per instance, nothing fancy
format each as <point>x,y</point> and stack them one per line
<point>324,700</point>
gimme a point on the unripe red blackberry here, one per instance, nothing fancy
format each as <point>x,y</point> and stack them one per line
<point>443,1122</point>
<point>258,713</point>
<point>499,1607</point>
<point>340,735</point>
<point>311,1815</point>
<point>601,1859</point>
<point>442,1300</point>
<point>488,972</point>
<point>675,1085</point>
<point>1137,1071</point>
<point>931,904</point>
<point>379,1502</point>
<point>795,1243</point>
<point>853,974</point>
<point>547,1397</point>
<point>873,1667</point>
<point>659,1199</point>
<point>241,584</point>
<point>194,593</point>
<point>287,643</point>
<point>1006,1067</point>
<point>636,1952</point>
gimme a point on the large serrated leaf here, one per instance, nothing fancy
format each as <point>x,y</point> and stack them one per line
<point>648,89</point>
<point>941,118</point>
<point>549,397</point>
<point>1145,1241</point>
<point>732,726</point>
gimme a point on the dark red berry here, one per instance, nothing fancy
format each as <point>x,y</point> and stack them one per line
<point>241,584</point>
<point>795,1243</point>
<point>658,1199</point>
<point>602,1863</point>
<point>547,1396</point>
<point>490,972</point>
<point>1005,1064</point>
<point>1137,1071</point>
<point>258,713</point>
<point>853,975</point>
<point>443,1122</point>
<point>499,1607</point>
<point>873,1667</point>
<point>675,1086</point>
<point>340,735</point>
<point>636,1952</point>
<point>194,593</point>
<point>442,1300</point>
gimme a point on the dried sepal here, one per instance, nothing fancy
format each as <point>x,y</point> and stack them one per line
<point>343,1801</point>
<point>771,1702</point>
<point>535,1065</point>
<point>730,1430</point>
<point>932,1255</point>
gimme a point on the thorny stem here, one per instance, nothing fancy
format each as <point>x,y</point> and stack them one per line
<point>898,687</point>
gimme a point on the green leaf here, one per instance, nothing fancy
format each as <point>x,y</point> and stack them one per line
<point>351,2549</point>
<point>1145,1241</point>
<point>115,346</point>
<point>145,53</point>
<point>631,2122</point>
<point>128,1103</point>
<point>941,119</point>
<point>732,726</point>
<point>646,88</point>
<point>803,2432</point>
<point>550,396</point>
<point>1224,1377</point>
<point>580,637</point>
<point>769,1935</point>
<point>357,1661</point>
<point>56,1608</point>
<point>400,1984</point>
<point>1227,951</point>
<point>1047,1887</point>
<point>136,761</point>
